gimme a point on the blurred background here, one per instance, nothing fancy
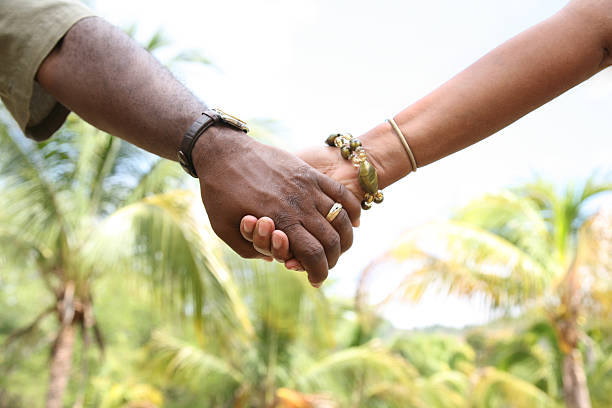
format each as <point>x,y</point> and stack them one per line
<point>483,281</point>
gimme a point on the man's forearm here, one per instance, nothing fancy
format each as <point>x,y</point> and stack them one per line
<point>110,81</point>
<point>506,84</point>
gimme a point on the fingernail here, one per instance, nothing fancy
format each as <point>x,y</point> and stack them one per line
<point>316,285</point>
<point>248,228</point>
<point>261,229</point>
<point>357,223</point>
<point>276,242</point>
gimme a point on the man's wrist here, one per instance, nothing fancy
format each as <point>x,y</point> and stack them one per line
<point>219,144</point>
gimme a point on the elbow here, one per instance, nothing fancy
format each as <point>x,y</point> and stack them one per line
<point>596,16</point>
<point>607,59</point>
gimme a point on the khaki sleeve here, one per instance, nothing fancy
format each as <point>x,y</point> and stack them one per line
<point>29,30</point>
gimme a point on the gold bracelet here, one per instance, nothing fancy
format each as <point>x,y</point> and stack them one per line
<point>402,139</point>
<point>351,149</point>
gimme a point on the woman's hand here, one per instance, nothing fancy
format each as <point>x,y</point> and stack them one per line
<point>328,161</point>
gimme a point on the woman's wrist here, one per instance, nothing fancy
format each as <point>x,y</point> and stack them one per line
<point>387,154</point>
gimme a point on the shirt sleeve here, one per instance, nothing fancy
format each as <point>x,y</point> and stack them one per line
<point>29,30</point>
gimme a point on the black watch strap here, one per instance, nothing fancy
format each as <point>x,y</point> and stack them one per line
<point>206,120</point>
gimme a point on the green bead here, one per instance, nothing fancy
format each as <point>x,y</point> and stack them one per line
<point>365,205</point>
<point>345,152</point>
<point>368,179</point>
<point>331,138</point>
<point>354,143</point>
<point>378,197</point>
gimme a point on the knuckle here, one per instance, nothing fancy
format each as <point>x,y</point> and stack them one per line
<point>347,242</point>
<point>345,230</point>
<point>332,242</point>
<point>285,222</point>
<point>341,191</point>
<point>303,178</point>
<point>294,200</point>
<point>313,252</point>
<point>343,220</point>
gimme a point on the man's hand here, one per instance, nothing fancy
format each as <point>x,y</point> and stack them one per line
<point>328,161</point>
<point>240,176</point>
<point>267,239</point>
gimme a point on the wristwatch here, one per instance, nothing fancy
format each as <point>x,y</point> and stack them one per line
<point>208,118</point>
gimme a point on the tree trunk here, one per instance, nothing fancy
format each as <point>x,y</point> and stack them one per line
<point>61,360</point>
<point>575,388</point>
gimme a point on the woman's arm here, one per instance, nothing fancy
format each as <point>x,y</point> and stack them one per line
<point>507,83</point>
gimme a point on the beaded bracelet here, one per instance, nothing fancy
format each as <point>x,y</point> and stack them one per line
<point>351,149</point>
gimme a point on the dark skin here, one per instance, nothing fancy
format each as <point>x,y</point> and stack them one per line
<point>111,82</point>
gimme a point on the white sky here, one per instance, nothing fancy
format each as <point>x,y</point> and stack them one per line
<point>345,65</point>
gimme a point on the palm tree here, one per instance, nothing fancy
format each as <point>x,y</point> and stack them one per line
<point>452,374</point>
<point>527,247</point>
<point>86,204</point>
<point>295,357</point>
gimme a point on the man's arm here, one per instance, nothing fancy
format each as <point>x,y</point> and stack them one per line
<point>101,74</point>
<point>111,82</point>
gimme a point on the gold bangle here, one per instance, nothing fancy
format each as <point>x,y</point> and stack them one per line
<point>351,149</point>
<point>402,138</point>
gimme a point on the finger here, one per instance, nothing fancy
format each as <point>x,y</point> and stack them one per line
<point>262,236</point>
<point>337,192</point>
<point>323,231</point>
<point>294,265</point>
<point>309,251</point>
<point>282,253</point>
<point>342,225</point>
<point>280,246</point>
<point>247,226</point>
<point>243,247</point>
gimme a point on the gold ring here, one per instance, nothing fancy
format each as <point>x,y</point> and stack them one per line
<point>333,213</point>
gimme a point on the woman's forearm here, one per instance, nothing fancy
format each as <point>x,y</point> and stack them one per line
<point>504,85</point>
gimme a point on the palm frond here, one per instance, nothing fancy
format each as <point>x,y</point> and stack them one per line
<point>600,382</point>
<point>495,387</point>
<point>464,260</point>
<point>283,302</point>
<point>372,358</point>
<point>183,361</point>
<point>158,40</point>
<point>514,218</point>
<point>163,175</point>
<point>191,56</point>
<point>161,237</point>
<point>98,160</point>
<point>28,198</point>
<point>446,389</point>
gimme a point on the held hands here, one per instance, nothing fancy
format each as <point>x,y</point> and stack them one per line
<point>233,168</point>
<point>273,243</point>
